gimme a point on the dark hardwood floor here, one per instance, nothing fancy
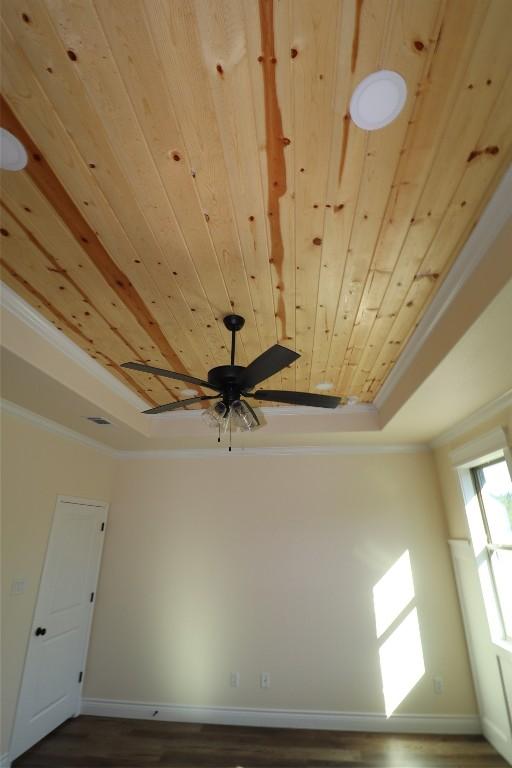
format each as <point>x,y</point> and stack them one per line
<point>87,742</point>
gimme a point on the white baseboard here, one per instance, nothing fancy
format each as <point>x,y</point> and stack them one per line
<point>284,718</point>
<point>4,760</point>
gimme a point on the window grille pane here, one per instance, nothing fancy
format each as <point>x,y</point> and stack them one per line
<point>502,568</point>
<point>496,492</point>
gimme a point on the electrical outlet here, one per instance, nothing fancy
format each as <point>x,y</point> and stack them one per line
<point>265,680</point>
<point>18,586</point>
<point>438,684</point>
<point>234,679</point>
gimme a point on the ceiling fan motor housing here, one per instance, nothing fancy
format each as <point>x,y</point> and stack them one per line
<point>227,378</point>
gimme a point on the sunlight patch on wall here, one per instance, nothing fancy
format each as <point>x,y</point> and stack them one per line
<point>393,593</point>
<point>396,622</point>
<point>401,662</point>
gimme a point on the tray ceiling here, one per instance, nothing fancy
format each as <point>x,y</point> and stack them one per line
<point>189,159</point>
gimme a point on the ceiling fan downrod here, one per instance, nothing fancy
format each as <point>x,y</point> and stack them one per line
<point>234,323</point>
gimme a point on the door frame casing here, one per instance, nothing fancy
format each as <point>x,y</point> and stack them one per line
<point>60,498</point>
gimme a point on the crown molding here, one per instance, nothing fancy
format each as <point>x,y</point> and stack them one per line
<point>286,410</point>
<point>11,302</point>
<point>221,452</point>
<point>474,420</point>
<point>52,426</point>
<point>483,448</point>
<point>474,250</point>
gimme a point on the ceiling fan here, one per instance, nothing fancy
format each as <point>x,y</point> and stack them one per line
<point>232,382</point>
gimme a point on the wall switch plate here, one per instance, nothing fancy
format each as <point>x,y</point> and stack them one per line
<point>18,586</point>
<point>234,679</point>
<point>438,683</point>
<point>265,680</point>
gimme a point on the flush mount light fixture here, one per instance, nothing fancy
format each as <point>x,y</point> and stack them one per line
<point>378,100</point>
<point>189,392</point>
<point>324,385</point>
<point>13,155</point>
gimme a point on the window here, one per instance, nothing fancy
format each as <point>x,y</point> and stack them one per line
<point>494,491</point>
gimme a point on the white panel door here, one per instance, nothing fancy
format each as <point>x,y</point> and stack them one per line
<point>50,689</point>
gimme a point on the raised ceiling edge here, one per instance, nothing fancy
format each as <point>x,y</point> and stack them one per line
<point>491,223</point>
<point>342,449</point>
<point>11,302</point>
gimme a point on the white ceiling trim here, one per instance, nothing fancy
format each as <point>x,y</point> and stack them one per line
<point>483,448</point>
<point>53,426</point>
<point>491,223</point>
<point>11,302</point>
<point>287,410</point>
<point>477,418</point>
<point>221,451</point>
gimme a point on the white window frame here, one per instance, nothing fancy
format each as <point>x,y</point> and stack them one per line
<point>493,548</point>
<point>490,446</point>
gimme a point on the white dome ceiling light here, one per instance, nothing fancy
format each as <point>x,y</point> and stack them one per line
<point>378,100</point>
<point>324,385</point>
<point>13,155</point>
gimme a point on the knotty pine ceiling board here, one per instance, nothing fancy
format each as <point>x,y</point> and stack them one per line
<point>189,159</point>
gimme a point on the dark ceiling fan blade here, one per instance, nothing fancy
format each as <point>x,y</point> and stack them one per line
<point>297,398</point>
<point>179,404</point>
<point>170,374</point>
<point>269,362</point>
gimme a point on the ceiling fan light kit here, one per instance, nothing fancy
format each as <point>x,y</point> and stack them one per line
<point>214,416</point>
<point>243,416</point>
<point>232,382</point>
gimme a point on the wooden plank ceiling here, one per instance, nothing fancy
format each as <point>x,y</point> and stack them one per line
<point>188,159</point>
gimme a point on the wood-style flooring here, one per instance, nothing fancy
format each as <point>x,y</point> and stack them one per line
<point>87,742</point>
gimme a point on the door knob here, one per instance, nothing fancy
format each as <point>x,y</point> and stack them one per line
<point>40,631</point>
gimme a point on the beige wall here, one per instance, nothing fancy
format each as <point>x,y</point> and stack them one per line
<point>37,465</point>
<point>448,478</point>
<point>251,564</point>
<point>267,563</point>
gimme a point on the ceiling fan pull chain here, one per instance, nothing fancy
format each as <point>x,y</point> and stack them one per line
<point>229,416</point>
<point>218,439</point>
